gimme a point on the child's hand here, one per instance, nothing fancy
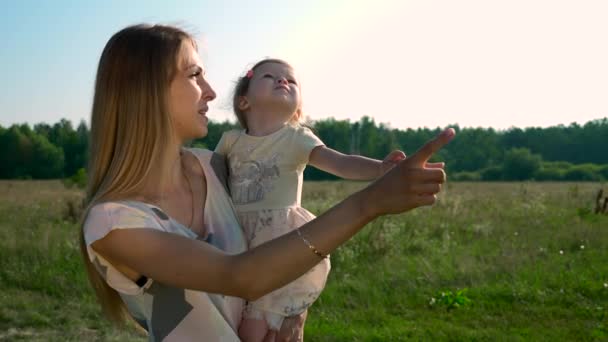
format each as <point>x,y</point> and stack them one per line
<point>390,161</point>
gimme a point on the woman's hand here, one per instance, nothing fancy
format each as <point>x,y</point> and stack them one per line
<point>393,158</point>
<point>410,184</point>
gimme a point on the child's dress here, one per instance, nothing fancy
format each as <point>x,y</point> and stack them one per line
<point>265,181</point>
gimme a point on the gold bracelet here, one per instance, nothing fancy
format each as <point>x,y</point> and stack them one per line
<point>312,248</point>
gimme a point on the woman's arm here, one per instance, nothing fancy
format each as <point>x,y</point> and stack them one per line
<point>185,263</point>
<point>352,167</point>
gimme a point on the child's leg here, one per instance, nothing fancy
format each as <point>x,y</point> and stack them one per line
<point>253,330</point>
<point>271,336</point>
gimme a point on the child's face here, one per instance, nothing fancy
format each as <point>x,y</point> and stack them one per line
<point>274,90</point>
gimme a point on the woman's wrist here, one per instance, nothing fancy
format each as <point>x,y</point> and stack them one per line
<point>365,205</point>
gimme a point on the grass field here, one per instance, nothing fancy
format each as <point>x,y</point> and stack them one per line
<point>531,258</point>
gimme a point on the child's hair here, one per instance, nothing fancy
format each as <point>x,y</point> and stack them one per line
<point>242,86</point>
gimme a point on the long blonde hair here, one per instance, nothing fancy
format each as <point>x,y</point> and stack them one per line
<point>131,129</point>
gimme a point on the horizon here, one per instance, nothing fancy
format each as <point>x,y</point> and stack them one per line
<point>376,122</point>
<point>408,64</point>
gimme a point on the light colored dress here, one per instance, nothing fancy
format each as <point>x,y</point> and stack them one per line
<point>265,181</point>
<point>166,312</point>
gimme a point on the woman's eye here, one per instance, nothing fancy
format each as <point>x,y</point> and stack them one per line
<point>196,74</point>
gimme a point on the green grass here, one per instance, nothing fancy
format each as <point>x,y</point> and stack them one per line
<point>499,241</point>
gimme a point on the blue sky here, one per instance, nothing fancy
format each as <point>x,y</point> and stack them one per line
<point>406,63</point>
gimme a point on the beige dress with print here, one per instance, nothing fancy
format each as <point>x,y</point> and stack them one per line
<point>265,181</point>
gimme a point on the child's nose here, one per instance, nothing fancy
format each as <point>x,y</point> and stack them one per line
<point>282,81</point>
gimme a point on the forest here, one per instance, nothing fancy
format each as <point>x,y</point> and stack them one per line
<point>557,153</point>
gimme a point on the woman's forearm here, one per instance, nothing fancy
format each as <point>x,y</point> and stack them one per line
<point>282,260</point>
<point>185,263</point>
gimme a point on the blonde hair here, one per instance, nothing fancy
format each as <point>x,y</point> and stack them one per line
<point>131,129</point>
<point>242,87</point>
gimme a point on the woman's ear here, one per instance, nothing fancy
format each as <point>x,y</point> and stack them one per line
<point>243,103</point>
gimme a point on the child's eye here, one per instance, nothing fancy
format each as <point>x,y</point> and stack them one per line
<point>293,82</point>
<point>267,76</point>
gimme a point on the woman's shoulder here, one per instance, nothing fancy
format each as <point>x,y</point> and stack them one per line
<point>121,210</point>
<point>115,208</point>
<point>214,162</point>
<point>199,152</point>
<point>103,217</point>
<point>204,158</point>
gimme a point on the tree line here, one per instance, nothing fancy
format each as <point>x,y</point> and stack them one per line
<point>571,153</point>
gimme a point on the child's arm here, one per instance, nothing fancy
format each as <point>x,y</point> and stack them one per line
<point>352,166</point>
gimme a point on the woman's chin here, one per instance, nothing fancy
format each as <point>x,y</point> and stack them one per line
<point>201,125</point>
<point>197,132</point>
<point>202,132</point>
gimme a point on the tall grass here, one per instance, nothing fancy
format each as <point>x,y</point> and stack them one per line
<point>534,267</point>
<point>532,257</point>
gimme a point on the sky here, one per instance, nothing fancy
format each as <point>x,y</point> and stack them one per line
<point>407,64</point>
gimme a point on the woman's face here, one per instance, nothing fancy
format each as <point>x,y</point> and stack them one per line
<point>189,94</point>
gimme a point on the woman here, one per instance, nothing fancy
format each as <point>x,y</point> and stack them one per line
<point>160,238</point>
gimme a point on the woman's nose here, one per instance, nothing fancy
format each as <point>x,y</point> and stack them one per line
<point>207,92</point>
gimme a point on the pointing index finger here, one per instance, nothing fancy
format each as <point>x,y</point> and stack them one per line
<point>425,152</point>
